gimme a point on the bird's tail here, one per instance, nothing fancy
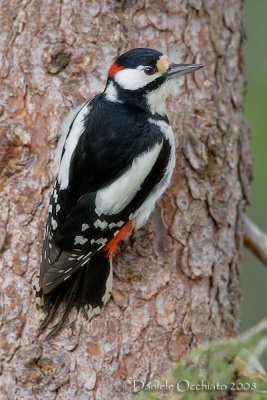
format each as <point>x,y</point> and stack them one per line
<point>88,290</point>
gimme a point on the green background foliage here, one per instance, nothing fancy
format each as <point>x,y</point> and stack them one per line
<point>254,274</point>
<point>232,366</point>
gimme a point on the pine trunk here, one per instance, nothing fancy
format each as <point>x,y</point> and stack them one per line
<point>177,281</point>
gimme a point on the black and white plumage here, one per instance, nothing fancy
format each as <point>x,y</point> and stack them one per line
<point>115,158</point>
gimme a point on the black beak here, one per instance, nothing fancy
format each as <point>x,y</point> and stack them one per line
<point>181,69</point>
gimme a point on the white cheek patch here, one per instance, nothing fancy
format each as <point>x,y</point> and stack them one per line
<point>134,78</point>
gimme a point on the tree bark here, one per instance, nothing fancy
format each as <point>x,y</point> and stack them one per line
<point>177,281</point>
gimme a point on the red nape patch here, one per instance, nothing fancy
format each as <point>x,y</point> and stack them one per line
<point>114,69</point>
<point>110,247</point>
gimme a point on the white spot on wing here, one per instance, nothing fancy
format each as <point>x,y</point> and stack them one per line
<point>100,224</point>
<point>50,208</point>
<point>80,240</point>
<point>57,208</point>
<point>101,241</point>
<point>112,199</point>
<point>114,225</point>
<point>87,258</point>
<point>85,261</point>
<point>54,223</point>
<point>55,195</point>
<point>84,227</point>
<point>98,211</point>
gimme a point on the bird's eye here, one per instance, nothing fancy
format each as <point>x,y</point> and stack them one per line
<point>149,70</point>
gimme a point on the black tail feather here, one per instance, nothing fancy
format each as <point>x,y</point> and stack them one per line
<point>50,311</point>
<point>87,290</point>
<point>70,302</point>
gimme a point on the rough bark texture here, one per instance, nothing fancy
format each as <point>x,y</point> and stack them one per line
<point>176,281</point>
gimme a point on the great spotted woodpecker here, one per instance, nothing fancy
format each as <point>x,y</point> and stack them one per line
<point>115,159</point>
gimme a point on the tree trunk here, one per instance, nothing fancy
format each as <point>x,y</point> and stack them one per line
<point>177,281</point>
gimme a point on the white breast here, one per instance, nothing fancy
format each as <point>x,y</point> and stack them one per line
<point>142,214</point>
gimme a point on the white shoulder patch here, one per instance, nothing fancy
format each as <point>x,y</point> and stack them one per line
<point>165,129</point>
<point>70,143</point>
<point>63,131</point>
<point>115,197</point>
<point>142,214</point>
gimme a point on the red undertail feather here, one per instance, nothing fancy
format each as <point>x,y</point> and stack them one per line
<point>110,247</point>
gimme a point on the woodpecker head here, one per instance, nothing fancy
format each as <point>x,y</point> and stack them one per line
<point>142,77</point>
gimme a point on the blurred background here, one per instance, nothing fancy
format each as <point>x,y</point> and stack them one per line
<point>254,274</point>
